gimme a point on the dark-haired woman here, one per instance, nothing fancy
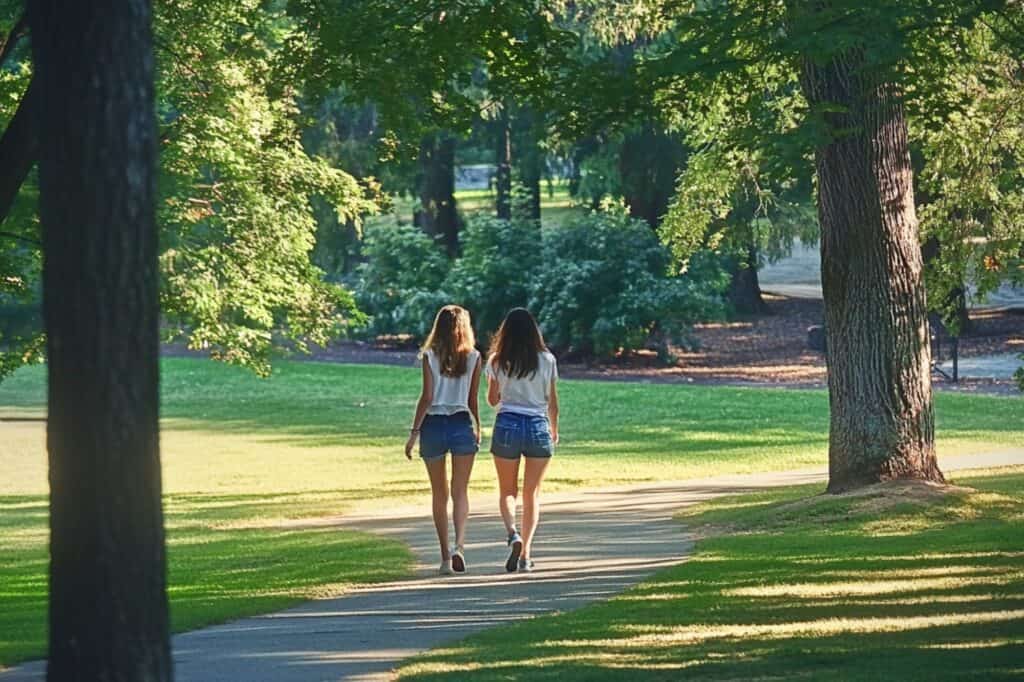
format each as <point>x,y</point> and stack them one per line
<point>521,377</point>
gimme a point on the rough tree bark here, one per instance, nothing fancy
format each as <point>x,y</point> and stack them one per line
<point>97,168</point>
<point>438,214</point>
<point>882,420</point>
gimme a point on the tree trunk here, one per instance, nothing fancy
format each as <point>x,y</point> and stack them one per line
<point>649,166</point>
<point>437,214</point>
<point>529,161</point>
<point>882,420</point>
<point>744,287</point>
<point>503,161</point>
<point>97,168</point>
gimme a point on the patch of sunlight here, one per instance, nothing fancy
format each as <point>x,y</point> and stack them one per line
<point>653,596</point>
<point>604,659</point>
<point>825,627</point>
<point>26,538</point>
<point>897,527</point>
<point>986,644</point>
<point>944,556</point>
<point>919,601</point>
<point>920,572</point>
<point>872,587</point>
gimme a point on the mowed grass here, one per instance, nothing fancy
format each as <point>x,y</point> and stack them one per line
<point>244,455</point>
<point>897,582</point>
<point>556,205</point>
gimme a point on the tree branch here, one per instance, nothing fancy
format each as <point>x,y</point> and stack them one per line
<point>10,41</point>
<point>20,238</point>
<point>18,151</point>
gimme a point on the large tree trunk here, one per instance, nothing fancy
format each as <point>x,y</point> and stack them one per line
<point>882,420</point>
<point>437,214</point>
<point>97,168</point>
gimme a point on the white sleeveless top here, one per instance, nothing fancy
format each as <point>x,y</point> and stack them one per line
<point>527,395</point>
<point>451,394</point>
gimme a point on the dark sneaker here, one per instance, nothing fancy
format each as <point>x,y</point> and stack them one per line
<point>526,565</point>
<point>515,545</point>
<point>459,560</point>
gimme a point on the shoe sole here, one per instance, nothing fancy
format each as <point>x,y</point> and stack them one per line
<point>458,563</point>
<point>512,564</point>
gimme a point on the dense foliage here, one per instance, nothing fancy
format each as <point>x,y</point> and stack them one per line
<point>605,286</point>
<point>598,285</point>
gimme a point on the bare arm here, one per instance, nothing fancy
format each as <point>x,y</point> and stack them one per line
<point>493,390</point>
<point>553,411</point>
<point>474,398</point>
<point>422,405</point>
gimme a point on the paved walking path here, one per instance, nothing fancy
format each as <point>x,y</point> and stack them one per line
<point>591,545</point>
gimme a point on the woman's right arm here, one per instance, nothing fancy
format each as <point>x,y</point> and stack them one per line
<point>422,405</point>
<point>553,410</point>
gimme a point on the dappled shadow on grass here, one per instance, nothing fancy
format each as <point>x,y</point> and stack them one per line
<point>228,557</point>
<point>784,597</point>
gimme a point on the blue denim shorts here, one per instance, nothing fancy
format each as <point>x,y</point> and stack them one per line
<point>521,434</point>
<point>440,434</point>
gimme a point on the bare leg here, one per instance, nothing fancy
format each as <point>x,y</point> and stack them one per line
<point>508,489</point>
<point>462,467</point>
<point>436,468</point>
<point>535,468</point>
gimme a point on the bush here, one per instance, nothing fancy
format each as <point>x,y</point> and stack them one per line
<point>400,284</point>
<point>598,284</point>
<point>496,270</point>
<point>604,285</point>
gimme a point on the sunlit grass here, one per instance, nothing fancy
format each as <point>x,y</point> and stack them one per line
<point>242,455</point>
<point>799,588</point>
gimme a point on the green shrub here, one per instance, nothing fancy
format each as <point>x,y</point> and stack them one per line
<point>598,284</point>
<point>400,284</point>
<point>604,285</point>
<point>496,270</point>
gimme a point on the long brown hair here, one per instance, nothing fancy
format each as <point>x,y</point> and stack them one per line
<point>451,339</point>
<point>516,344</point>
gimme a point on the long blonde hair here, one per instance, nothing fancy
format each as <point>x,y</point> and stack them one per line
<point>451,339</point>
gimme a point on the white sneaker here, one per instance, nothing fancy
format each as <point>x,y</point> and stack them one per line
<point>446,568</point>
<point>459,560</point>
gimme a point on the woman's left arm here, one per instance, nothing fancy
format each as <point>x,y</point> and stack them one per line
<point>474,398</point>
<point>553,410</point>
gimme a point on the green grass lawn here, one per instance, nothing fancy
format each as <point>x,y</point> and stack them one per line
<point>898,582</point>
<point>556,205</point>
<point>242,454</point>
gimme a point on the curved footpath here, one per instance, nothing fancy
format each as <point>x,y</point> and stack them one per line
<point>592,545</point>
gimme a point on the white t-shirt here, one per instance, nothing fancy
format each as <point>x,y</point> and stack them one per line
<point>529,394</point>
<point>451,394</point>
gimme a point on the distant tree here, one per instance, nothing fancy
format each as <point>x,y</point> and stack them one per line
<point>94,109</point>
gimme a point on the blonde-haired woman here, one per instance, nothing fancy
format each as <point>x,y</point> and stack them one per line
<point>447,420</point>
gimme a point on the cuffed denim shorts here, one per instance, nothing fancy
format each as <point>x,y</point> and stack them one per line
<point>441,433</point>
<point>521,434</point>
